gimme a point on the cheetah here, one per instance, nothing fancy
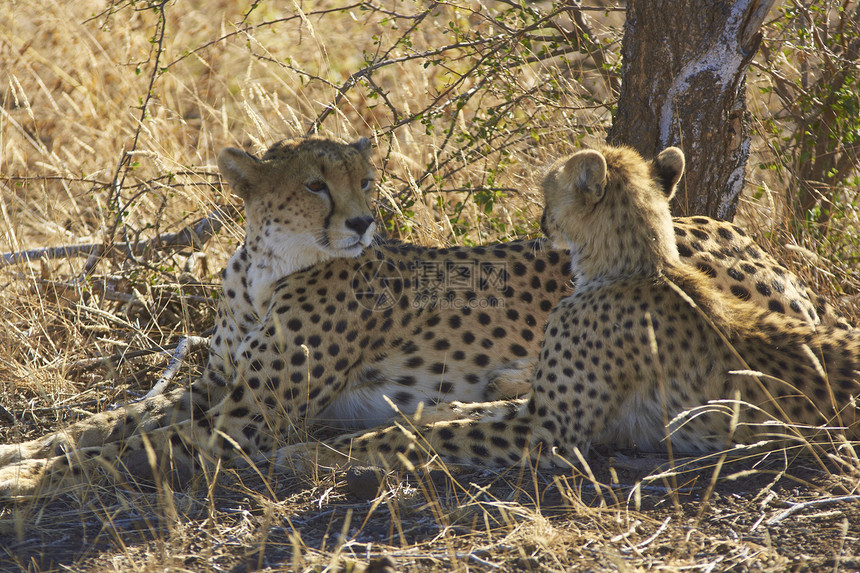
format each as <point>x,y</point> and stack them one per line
<point>321,323</point>
<point>644,351</point>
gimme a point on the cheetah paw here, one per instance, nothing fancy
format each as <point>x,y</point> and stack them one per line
<point>10,454</point>
<point>22,479</point>
<point>296,459</point>
<point>15,453</point>
<point>512,380</point>
<point>305,457</point>
<point>42,448</point>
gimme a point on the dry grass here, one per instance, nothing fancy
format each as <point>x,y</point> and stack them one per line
<point>78,165</point>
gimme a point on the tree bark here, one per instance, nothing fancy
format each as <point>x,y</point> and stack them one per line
<point>683,84</point>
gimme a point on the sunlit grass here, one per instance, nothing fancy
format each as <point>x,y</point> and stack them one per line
<point>78,165</point>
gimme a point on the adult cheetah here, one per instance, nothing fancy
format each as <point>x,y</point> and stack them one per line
<point>644,339</point>
<point>319,323</point>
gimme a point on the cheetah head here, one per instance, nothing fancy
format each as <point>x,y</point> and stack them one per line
<point>306,200</point>
<point>610,207</point>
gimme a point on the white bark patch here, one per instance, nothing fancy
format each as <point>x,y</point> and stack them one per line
<point>723,59</point>
<point>734,185</point>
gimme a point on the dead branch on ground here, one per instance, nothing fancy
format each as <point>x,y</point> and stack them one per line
<point>193,236</point>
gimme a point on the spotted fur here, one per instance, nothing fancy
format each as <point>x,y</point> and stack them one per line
<point>644,351</point>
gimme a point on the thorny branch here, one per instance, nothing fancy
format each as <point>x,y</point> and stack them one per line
<point>483,50</point>
<point>482,67</point>
<point>124,164</point>
<point>821,151</point>
<point>531,37</point>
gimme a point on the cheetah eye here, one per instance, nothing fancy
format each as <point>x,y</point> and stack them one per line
<point>366,184</point>
<point>317,186</point>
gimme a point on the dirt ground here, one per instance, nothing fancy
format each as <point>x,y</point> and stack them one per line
<point>763,514</point>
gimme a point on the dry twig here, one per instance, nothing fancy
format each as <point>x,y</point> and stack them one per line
<point>186,345</point>
<point>795,507</point>
<point>193,236</point>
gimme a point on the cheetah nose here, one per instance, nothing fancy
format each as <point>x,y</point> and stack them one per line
<point>359,224</point>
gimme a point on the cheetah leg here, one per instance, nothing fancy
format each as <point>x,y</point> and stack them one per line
<point>40,477</point>
<point>113,426</point>
<point>99,429</point>
<point>499,439</point>
<point>138,460</point>
<point>828,315</point>
<point>540,429</point>
<point>172,452</point>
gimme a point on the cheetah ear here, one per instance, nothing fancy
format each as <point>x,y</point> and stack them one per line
<point>585,172</point>
<point>240,169</point>
<point>362,145</point>
<point>668,168</point>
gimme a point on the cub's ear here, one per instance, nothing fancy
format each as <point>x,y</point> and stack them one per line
<point>240,169</point>
<point>585,171</point>
<point>362,145</point>
<point>668,168</point>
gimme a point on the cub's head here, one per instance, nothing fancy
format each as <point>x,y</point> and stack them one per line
<point>306,199</point>
<point>610,207</point>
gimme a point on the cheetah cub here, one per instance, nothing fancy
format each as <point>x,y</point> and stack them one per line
<point>645,338</point>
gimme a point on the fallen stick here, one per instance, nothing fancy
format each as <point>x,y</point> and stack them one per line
<point>193,236</point>
<point>181,350</point>
<point>647,542</point>
<point>798,506</point>
<point>6,414</point>
<point>86,364</point>
<point>186,345</point>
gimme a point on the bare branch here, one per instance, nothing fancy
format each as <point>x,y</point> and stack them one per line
<point>795,507</point>
<point>186,345</point>
<point>193,236</point>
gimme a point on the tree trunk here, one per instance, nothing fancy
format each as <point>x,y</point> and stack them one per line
<point>683,84</point>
